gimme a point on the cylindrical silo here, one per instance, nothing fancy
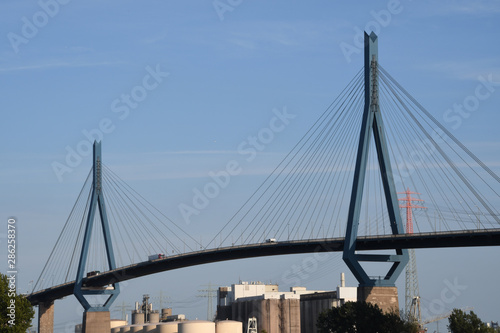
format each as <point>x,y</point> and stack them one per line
<point>196,326</point>
<point>137,328</point>
<point>229,326</point>
<point>165,313</point>
<point>115,330</point>
<point>125,329</point>
<point>137,317</point>
<point>149,328</point>
<point>154,317</point>
<point>170,327</point>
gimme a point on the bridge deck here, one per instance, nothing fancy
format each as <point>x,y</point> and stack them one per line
<point>488,237</point>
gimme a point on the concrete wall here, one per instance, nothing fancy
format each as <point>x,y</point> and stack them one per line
<point>290,315</point>
<point>273,315</point>
<point>311,305</point>
<point>224,312</point>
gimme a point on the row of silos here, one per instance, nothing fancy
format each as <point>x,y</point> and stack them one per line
<point>193,326</point>
<point>138,317</point>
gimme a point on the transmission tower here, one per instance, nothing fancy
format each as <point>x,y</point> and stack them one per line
<point>124,308</point>
<point>412,293</point>
<point>209,293</point>
<point>162,298</point>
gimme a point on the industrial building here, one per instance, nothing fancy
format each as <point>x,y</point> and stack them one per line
<point>147,320</point>
<point>252,307</point>
<point>293,311</point>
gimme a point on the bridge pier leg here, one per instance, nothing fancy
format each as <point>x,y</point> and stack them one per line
<point>96,322</point>
<point>46,317</point>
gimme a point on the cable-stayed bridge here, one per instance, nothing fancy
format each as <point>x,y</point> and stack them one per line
<point>336,190</point>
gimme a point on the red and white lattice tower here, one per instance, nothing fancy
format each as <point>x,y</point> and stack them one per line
<point>412,293</point>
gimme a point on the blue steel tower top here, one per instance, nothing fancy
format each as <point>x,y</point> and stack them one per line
<point>372,123</point>
<point>96,201</point>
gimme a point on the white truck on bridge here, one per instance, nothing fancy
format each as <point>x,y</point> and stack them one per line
<point>156,256</point>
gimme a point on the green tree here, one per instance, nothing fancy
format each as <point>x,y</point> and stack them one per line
<point>14,309</point>
<point>461,322</point>
<point>362,317</point>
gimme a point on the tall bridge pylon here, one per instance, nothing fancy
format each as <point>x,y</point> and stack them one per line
<point>372,123</point>
<point>97,204</point>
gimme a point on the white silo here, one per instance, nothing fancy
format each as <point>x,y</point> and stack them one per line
<point>196,326</point>
<point>125,329</point>
<point>154,317</point>
<point>149,328</point>
<point>229,326</point>
<point>137,317</point>
<point>137,328</point>
<point>170,327</point>
<point>165,313</point>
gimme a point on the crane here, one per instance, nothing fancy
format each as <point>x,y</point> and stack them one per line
<point>442,316</point>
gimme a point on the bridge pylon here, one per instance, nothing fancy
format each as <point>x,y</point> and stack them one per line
<point>372,124</point>
<point>97,205</point>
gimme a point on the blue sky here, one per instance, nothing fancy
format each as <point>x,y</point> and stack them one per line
<point>221,77</point>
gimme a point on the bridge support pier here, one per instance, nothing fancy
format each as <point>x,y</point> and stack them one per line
<point>46,317</point>
<point>96,322</point>
<point>385,297</point>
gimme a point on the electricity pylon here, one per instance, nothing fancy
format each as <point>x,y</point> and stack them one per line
<point>412,292</point>
<point>209,293</point>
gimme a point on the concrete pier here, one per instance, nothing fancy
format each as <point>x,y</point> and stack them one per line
<point>385,297</point>
<point>46,317</point>
<point>96,322</point>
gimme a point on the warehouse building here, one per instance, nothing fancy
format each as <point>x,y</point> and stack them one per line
<point>293,311</point>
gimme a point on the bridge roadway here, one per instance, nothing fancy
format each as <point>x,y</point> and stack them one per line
<point>485,237</point>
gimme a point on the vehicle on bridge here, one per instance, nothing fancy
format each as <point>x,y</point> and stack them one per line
<point>93,273</point>
<point>156,256</point>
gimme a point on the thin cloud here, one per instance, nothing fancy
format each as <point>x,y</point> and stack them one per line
<point>466,70</point>
<point>453,8</point>
<point>59,65</point>
<point>475,7</point>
